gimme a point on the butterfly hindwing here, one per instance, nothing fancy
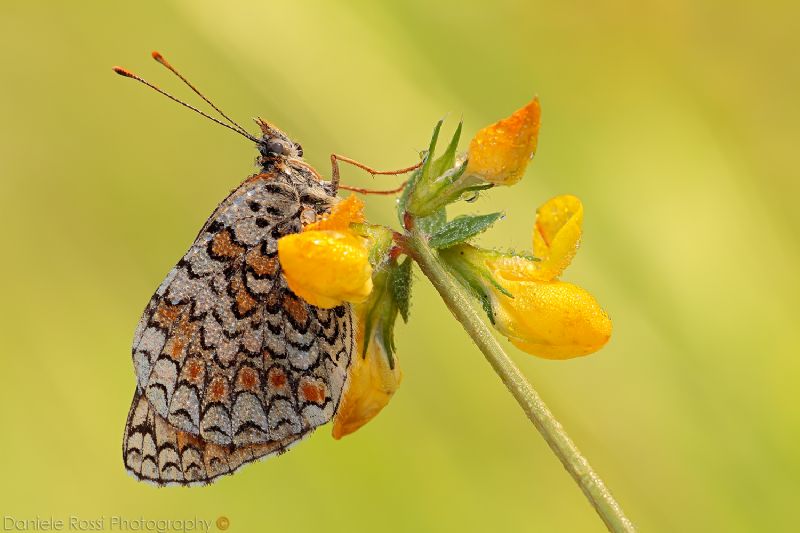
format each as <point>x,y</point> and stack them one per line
<point>156,452</point>
<point>224,350</point>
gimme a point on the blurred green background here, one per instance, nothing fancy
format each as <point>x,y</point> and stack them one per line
<point>675,122</point>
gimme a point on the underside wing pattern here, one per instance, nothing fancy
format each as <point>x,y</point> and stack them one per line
<point>226,357</point>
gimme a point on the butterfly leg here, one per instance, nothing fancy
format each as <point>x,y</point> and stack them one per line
<point>335,158</point>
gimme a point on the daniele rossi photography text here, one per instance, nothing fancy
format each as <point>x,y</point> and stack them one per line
<point>110,523</point>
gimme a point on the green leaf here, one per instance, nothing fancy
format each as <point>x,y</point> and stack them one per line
<point>462,228</point>
<point>432,223</point>
<point>400,283</point>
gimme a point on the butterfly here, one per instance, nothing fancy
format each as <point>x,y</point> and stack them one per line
<point>231,366</point>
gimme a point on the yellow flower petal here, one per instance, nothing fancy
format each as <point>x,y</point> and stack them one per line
<point>371,384</point>
<point>500,153</point>
<point>557,234</point>
<point>345,212</point>
<point>554,320</point>
<point>326,268</point>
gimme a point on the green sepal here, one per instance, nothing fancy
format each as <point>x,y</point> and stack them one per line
<point>437,184</point>
<point>448,158</point>
<point>391,294</point>
<point>462,228</point>
<point>419,175</point>
<point>400,283</point>
<point>381,314</point>
<point>387,336</point>
<point>469,277</point>
<point>466,263</point>
<point>433,194</point>
<point>480,294</point>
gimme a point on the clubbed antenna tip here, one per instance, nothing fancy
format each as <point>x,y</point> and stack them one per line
<point>122,72</point>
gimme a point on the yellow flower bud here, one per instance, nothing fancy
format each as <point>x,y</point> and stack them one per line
<point>372,383</point>
<point>500,153</point>
<point>326,268</point>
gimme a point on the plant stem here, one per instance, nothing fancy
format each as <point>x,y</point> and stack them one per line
<point>460,304</point>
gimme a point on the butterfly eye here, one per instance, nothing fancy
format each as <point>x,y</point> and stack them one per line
<point>275,146</point>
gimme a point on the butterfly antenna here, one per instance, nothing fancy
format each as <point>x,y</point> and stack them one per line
<point>158,57</point>
<point>123,72</point>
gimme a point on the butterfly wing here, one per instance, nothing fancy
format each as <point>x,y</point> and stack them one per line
<point>156,452</point>
<point>224,350</point>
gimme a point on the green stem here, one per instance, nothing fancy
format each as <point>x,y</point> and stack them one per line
<point>460,304</point>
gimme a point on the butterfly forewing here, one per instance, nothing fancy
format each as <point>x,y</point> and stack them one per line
<point>224,351</point>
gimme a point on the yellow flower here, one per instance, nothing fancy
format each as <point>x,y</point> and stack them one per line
<point>500,153</point>
<point>551,319</point>
<point>546,317</point>
<point>557,234</point>
<point>327,264</point>
<point>371,384</point>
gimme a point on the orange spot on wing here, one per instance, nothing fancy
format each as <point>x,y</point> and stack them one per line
<point>194,370</point>
<point>186,327</point>
<point>277,378</point>
<point>218,389</point>
<point>187,439</point>
<point>248,379</point>
<point>244,302</point>
<point>181,333</point>
<point>223,246</point>
<point>262,265</point>
<point>166,314</point>
<point>296,309</point>
<point>312,392</point>
<point>176,349</point>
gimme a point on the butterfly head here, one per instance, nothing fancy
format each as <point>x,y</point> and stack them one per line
<point>274,143</point>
